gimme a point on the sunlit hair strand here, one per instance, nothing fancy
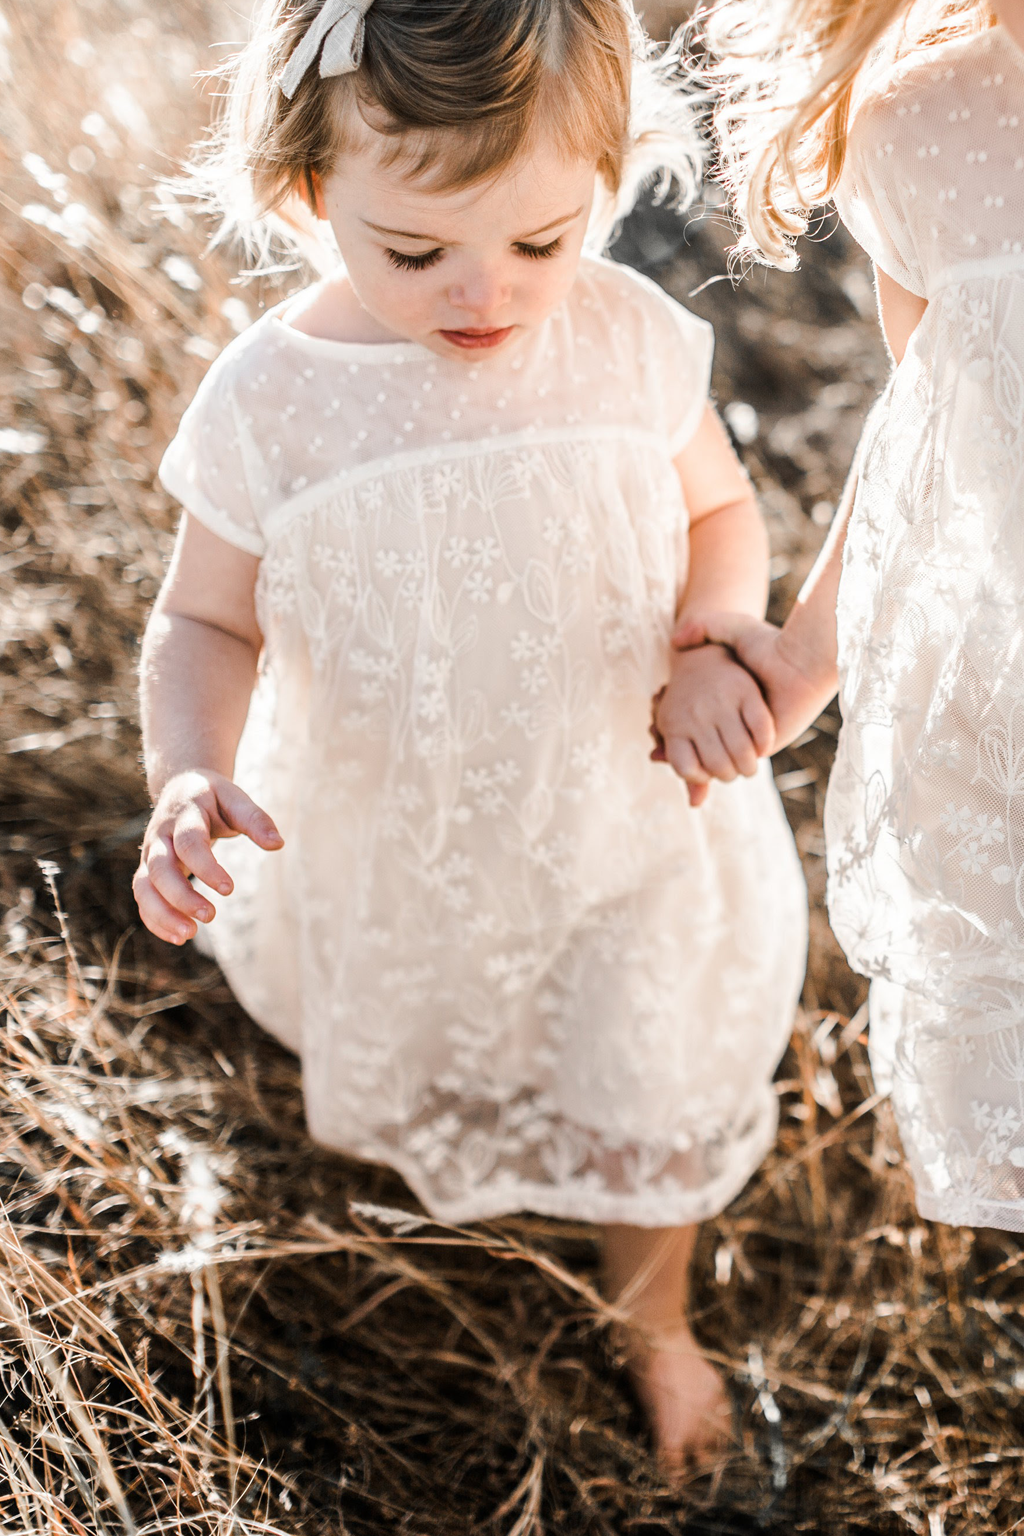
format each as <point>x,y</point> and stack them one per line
<point>787,73</point>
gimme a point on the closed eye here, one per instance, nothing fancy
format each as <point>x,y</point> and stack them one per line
<point>409,263</point>
<point>538,252</point>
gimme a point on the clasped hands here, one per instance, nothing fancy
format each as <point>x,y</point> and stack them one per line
<point>738,690</point>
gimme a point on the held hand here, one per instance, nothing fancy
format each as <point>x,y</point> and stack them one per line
<point>710,720</point>
<point>796,692</point>
<point>193,809</point>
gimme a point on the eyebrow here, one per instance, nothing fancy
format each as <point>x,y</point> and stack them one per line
<point>408,234</point>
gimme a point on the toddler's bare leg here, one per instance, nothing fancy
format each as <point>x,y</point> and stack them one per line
<point>647,1274</point>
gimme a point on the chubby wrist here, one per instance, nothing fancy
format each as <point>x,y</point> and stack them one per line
<point>702,613</point>
<point>820,671</point>
<point>677,655</point>
<point>168,776</point>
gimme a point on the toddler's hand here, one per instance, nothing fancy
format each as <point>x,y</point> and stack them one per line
<point>795,695</point>
<point>193,809</point>
<point>710,721</point>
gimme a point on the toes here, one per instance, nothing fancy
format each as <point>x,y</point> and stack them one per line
<point>688,1409</point>
<point>699,1451</point>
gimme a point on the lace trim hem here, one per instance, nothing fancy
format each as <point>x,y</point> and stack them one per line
<point>965,1211</point>
<point>651,1207</point>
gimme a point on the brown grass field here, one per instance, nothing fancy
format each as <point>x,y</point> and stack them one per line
<point>209,1324</point>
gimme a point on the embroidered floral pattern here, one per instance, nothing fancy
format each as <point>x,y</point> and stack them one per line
<point>517,966</point>
<point>925,814</point>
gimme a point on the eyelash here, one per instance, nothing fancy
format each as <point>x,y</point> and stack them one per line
<point>405,262</point>
<point>539,252</point>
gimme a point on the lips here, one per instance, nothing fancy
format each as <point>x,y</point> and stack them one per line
<point>472,340</point>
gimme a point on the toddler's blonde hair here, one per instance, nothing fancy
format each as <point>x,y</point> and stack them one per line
<point>458,90</point>
<point>787,72</point>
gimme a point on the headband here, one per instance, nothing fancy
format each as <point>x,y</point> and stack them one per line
<point>338,32</point>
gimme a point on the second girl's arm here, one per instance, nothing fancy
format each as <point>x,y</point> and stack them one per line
<point>796,665</point>
<point>809,633</point>
<point>199,660</point>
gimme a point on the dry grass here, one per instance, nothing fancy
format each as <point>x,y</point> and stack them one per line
<point>208,1324</point>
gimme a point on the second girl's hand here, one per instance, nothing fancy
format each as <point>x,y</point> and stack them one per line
<point>797,665</point>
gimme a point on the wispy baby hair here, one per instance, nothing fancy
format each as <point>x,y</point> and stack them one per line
<point>787,73</point>
<point>455,91</point>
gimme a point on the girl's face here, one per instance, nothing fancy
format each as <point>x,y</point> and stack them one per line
<point>464,273</point>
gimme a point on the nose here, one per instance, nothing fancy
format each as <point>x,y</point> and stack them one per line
<point>481,292</point>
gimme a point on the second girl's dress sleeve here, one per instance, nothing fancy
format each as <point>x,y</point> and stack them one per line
<point>874,197</point>
<point>213,466</point>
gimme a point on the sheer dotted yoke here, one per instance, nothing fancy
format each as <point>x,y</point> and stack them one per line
<point>516,965</point>
<point>925,813</point>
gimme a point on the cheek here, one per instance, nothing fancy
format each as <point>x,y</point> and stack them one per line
<point>416,297</point>
<point>546,283</point>
<point>386,291</point>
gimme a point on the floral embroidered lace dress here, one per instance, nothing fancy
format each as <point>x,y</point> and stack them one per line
<point>925,813</point>
<point>516,965</point>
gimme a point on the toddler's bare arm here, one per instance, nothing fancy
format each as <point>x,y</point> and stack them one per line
<point>711,718</point>
<point>199,659</point>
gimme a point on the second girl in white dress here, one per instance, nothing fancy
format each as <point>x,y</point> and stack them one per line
<point>921,107</point>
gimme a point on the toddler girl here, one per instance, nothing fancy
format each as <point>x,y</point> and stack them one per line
<point>914,114</point>
<point>442,510</point>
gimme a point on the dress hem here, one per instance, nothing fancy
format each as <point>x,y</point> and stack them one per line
<point>567,1205</point>
<point>956,1211</point>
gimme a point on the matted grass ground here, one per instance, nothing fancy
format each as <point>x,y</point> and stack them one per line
<point>207,1323</point>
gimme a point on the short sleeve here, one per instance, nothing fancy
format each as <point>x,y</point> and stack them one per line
<point>212,466</point>
<point>687,374</point>
<point>873,194</point>
<point>679,348</point>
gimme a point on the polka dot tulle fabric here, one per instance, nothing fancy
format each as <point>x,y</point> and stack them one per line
<point>925,814</point>
<point>516,965</point>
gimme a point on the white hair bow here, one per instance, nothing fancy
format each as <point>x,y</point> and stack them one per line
<point>337,35</point>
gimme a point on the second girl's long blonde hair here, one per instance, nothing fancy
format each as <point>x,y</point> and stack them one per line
<point>786,72</point>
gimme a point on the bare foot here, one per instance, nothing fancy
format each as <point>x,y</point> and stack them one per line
<point>684,1398</point>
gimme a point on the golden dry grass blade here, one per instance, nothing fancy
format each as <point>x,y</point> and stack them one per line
<point>45,1358</point>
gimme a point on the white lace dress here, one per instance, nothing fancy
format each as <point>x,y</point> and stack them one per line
<point>925,813</point>
<point>516,965</point>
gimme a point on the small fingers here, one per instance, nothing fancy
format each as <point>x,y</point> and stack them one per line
<point>682,755</point>
<point>194,851</point>
<point>712,629</point>
<point>740,746</point>
<point>760,722</point>
<point>714,755</point>
<point>159,916</point>
<point>688,635</point>
<point>243,815</point>
<point>658,750</point>
<point>164,871</point>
